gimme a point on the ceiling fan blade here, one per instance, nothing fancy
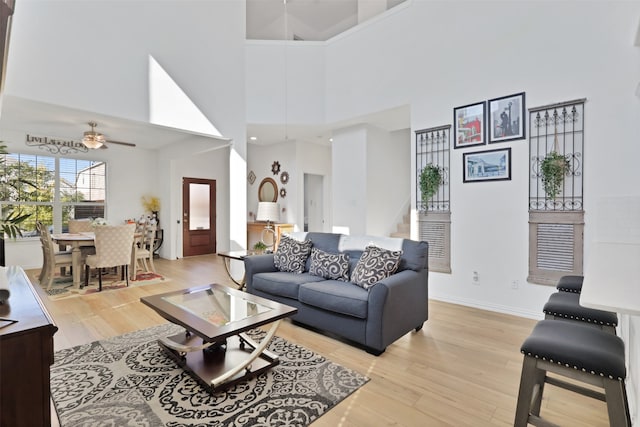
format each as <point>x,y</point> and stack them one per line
<point>128,144</point>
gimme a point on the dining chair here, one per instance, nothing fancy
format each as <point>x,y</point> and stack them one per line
<point>80,225</point>
<point>113,245</point>
<point>143,250</point>
<point>51,260</point>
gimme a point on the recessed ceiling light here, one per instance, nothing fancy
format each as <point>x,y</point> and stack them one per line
<point>330,139</point>
<point>253,138</point>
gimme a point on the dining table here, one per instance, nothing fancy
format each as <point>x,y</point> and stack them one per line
<point>77,241</point>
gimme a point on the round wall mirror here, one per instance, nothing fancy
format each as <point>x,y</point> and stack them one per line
<point>268,190</point>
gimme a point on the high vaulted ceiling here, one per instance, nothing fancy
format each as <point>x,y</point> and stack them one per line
<point>307,19</point>
<point>312,20</point>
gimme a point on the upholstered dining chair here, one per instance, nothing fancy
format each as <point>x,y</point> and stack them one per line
<point>51,260</point>
<point>113,249</point>
<point>143,250</point>
<point>80,226</point>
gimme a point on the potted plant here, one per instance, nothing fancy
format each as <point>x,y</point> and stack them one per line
<point>553,168</point>
<point>430,180</point>
<point>259,247</point>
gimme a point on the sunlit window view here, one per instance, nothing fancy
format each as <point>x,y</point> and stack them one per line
<point>51,190</point>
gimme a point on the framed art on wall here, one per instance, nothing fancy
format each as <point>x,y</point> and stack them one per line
<point>506,118</point>
<point>469,125</point>
<point>490,165</point>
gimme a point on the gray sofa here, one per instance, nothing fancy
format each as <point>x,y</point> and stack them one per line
<point>372,318</point>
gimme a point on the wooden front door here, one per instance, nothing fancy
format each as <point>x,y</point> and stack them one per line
<point>198,216</point>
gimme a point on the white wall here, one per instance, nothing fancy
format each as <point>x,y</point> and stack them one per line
<point>425,54</point>
<point>260,160</point>
<point>349,186</point>
<point>314,159</point>
<point>276,68</point>
<point>388,179</point>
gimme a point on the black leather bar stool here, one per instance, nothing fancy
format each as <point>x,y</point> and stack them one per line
<point>571,284</point>
<point>566,305</point>
<point>577,351</point>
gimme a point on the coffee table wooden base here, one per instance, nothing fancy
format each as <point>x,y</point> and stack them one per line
<point>216,368</point>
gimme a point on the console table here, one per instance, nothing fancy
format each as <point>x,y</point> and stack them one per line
<point>254,232</point>
<point>26,353</point>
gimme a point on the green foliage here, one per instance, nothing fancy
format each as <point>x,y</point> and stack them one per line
<point>10,224</point>
<point>11,220</point>
<point>430,180</point>
<point>553,168</point>
<point>259,247</point>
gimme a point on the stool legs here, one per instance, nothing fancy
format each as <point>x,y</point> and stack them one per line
<point>617,407</point>
<point>530,395</point>
<point>534,377</point>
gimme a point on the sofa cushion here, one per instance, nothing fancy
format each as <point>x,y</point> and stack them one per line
<point>374,265</point>
<point>338,297</point>
<point>292,254</point>
<point>328,265</point>
<point>414,255</point>
<point>281,283</point>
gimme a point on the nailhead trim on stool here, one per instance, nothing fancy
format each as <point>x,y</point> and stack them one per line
<point>567,305</point>
<point>570,284</point>
<point>577,351</point>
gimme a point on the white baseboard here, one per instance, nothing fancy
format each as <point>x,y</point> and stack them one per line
<point>537,315</point>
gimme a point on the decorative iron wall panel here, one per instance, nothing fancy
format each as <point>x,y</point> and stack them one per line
<point>560,128</point>
<point>433,147</point>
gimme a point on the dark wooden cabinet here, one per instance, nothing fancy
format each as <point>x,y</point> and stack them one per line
<point>26,354</point>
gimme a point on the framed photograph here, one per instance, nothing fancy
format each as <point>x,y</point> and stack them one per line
<point>506,118</point>
<point>490,165</point>
<point>469,125</point>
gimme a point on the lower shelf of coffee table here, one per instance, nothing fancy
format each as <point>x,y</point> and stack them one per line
<point>206,366</point>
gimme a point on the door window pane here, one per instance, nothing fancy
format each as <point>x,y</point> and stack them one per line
<point>199,206</point>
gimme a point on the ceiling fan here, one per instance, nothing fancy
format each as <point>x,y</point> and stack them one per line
<point>94,140</point>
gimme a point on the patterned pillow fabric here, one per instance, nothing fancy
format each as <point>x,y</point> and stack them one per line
<point>329,266</point>
<point>291,254</point>
<point>374,265</point>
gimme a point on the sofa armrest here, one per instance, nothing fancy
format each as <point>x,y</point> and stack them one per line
<point>255,264</point>
<point>397,305</point>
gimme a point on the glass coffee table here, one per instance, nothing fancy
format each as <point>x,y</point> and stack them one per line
<point>214,347</point>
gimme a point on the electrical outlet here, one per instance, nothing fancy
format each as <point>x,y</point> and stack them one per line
<point>515,284</point>
<point>475,278</point>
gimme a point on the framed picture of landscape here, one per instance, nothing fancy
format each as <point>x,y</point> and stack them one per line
<point>490,165</point>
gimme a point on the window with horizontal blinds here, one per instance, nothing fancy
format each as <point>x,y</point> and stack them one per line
<point>51,190</point>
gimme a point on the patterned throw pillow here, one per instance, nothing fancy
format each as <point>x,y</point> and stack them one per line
<point>374,265</point>
<point>329,266</point>
<point>291,254</point>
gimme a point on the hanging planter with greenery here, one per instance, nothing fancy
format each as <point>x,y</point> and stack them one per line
<point>553,169</point>
<point>430,180</point>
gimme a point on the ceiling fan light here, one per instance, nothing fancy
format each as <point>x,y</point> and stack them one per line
<point>93,139</point>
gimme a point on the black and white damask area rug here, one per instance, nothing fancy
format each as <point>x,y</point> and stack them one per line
<point>129,381</point>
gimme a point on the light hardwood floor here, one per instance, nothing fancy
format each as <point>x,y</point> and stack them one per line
<point>461,369</point>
